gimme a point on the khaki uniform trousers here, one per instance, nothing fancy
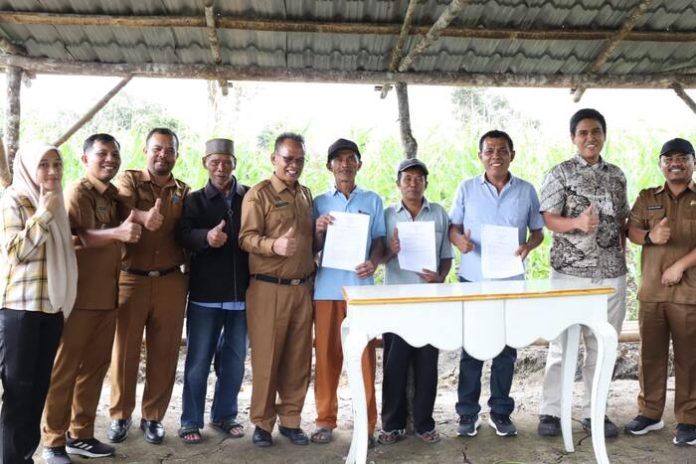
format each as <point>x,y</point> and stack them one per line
<point>154,305</point>
<point>328,316</point>
<point>657,322</point>
<point>279,321</point>
<point>81,363</point>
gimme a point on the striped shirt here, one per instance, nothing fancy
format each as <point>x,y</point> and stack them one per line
<point>23,234</point>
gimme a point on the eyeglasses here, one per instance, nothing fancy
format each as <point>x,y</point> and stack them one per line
<point>289,160</point>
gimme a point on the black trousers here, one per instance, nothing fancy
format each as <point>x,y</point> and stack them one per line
<point>398,355</point>
<point>28,344</point>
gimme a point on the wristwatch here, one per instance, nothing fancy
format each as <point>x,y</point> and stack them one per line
<point>646,240</point>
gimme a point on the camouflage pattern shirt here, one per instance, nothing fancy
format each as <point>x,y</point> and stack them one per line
<point>568,190</point>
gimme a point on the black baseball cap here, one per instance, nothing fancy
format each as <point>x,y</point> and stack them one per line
<point>342,144</point>
<point>677,145</point>
<point>411,163</point>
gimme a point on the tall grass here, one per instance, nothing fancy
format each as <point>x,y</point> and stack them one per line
<point>451,156</point>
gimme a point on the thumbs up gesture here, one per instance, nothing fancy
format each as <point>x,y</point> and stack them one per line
<point>395,243</point>
<point>463,241</point>
<point>286,244</point>
<point>587,221</point>
<point>660,233</point>
<point>153,217</point>
<point>129,231</point>
<point>217,236</point>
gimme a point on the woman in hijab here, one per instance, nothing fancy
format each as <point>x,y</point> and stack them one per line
<point>38,281</point>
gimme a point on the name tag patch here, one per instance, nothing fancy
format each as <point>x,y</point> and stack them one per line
<point>656,207</point>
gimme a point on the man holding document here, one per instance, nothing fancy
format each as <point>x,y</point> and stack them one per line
<point>495,224</point>
<point>349,231</point>
<point>419,252</point>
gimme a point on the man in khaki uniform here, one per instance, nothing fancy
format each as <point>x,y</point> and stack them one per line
<point>662,221</point>
<point>277,231</point>
<point>85,347</point>
<point>152,291</point>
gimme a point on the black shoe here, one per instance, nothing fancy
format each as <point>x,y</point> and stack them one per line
<point>610,429</point>
<point>504,427</point>
<point>261,438</point>
<point>296,436</point>
<point>686,435</point>
<point>88,447</point>
<point>549,426</point>
<point>118,430</point>
<point>640,425</point>
<point>153,431</point>
<point>468,425</point>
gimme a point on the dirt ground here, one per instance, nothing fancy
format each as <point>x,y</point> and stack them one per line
<point>486,447</point>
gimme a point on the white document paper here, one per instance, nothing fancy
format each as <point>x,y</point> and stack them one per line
<point>346,241</point>
<point>498,246</point>
<point>417,241</point>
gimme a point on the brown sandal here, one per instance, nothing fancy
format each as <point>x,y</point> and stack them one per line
<point>231,428</point>
<point>431,436</point>
<point>321,435</point>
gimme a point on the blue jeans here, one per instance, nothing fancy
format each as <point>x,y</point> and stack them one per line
<point>223,334</point>
<point>469,389</point>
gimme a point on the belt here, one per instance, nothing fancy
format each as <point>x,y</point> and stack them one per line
<point>280,280</point>
<point>154,273</point>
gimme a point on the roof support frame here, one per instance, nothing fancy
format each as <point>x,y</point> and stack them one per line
<point>398,50</point>
<point>212,72</point>
<point>92,111</point>
<point>613,42</point>
<point>209,6</point>
<point>315,26</point>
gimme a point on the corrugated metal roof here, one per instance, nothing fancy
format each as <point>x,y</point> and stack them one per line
<point>365,52</point>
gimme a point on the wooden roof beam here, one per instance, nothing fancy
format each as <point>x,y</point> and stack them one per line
<point>315,26</point>
<point>613,42</point>
<point>255,73</point>
<point>214,40</point>
<point>433,34</point>
<point>681,93</point>
<point>398,50</point>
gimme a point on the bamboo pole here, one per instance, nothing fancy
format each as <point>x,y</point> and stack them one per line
<point>289,25</point>
<point>398,50</point>
<point>681,93</point>
<point>92,111</point>
<point>255,73</point>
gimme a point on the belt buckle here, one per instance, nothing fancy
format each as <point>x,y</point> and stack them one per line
<point>153,273</point>
<point>295,281</point>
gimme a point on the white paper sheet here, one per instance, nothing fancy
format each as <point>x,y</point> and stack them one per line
<point>498,246</point>
<point>417,246</point>
<point>346,241</point>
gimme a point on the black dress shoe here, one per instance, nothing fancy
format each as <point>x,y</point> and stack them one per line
<point>296,436</point>
<point>261,438</point>
<point>118,430</point>
<point>153,431</point>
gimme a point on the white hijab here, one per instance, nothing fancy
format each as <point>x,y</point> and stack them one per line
<point>60,253</point>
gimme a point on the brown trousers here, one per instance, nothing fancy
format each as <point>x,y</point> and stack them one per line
<point>657,322</point>
<point>155,305</point>
<point>81,363</point>
<point>279,321</point>
<point>328,316</point>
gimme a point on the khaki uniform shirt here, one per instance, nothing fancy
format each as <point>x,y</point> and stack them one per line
<point>91,204</point>
<point>156,250</point>
<point>269,210</point>
<point>652,205</point>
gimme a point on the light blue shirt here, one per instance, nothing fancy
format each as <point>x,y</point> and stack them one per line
<point>393,274</point>
<point>329,282</point>
<point>478,202</point>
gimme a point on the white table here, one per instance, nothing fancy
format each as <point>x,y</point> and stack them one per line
<point>482,317</point>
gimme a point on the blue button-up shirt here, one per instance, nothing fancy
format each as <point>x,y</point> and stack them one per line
<point>478,202</point>
<point>329,282</point>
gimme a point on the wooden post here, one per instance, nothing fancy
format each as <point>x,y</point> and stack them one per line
<point>12,113</point>
<point>5,174</point>
<point>90,114</point>
<point>407,140</point>
<point>681,93</point>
